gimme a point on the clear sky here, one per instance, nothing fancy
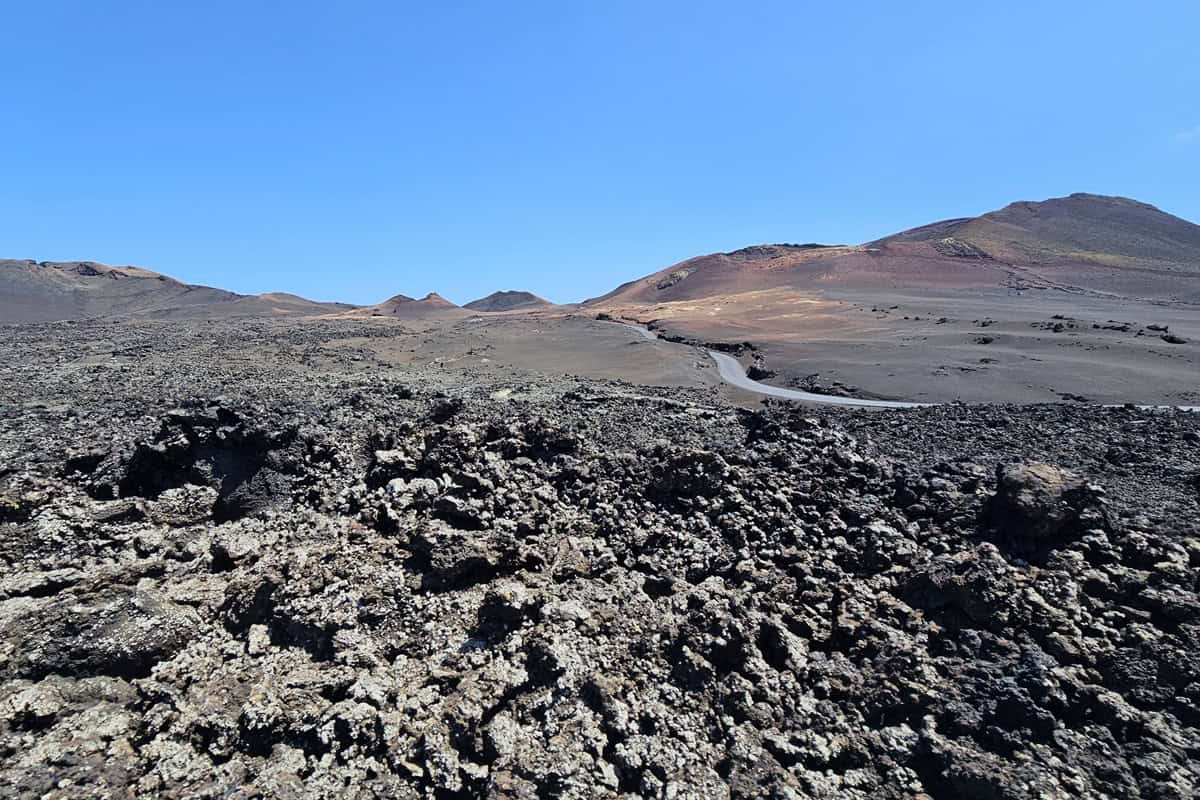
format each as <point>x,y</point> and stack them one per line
<point>355,150</point>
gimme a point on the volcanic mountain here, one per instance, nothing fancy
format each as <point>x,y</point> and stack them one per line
<point>1084,243</point>
<point>1082,228</point>
<point>33,291</point>
<point>405,307</point>
<point>508,301</point>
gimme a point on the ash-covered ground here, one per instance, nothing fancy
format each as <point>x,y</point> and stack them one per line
<point>250,561</point>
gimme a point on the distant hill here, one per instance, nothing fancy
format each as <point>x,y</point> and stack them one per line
<point>1086,243</point>
<point>404,307</point>
<point>508,301</point>
<point>33,291</point>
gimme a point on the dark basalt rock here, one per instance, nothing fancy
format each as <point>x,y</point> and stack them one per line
<point>108,631</point>
<point>1037,506</point>
<point>250,465</point>
<point>595,590</point>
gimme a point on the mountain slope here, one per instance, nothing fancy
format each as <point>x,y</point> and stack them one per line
<point>1088,228</point>
<point>508,301</point>
<point>32,291</point>
<point>749,269</point>
<point>1084,243</point>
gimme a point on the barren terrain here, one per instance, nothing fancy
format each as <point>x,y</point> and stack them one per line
<point>365,558</point>
<point>1082,298</point>
<point>939,346</point>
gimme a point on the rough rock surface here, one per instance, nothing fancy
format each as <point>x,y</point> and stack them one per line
<point>227,582</point>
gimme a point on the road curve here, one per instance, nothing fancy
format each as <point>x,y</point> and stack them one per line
<point>642,329</point>
<point>733,373</point>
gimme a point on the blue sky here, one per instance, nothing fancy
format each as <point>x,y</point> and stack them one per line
<point>352,151</point>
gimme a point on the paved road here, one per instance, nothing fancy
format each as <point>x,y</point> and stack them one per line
<point>642,329</point>
<point>733,373</point>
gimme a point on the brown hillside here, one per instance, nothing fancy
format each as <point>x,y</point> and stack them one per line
<point>1089,244</point>
<point>32,291</point>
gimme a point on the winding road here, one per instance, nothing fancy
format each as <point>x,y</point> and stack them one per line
<point>733,373</point>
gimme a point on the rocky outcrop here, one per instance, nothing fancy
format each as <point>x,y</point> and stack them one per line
<point>247,465</point>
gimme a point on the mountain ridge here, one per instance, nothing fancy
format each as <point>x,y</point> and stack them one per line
<point>1106,245</point>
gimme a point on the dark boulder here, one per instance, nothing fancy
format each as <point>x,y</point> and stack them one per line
<point>117,631</point>
<point>1038,505</point>
<point>251,465</point>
